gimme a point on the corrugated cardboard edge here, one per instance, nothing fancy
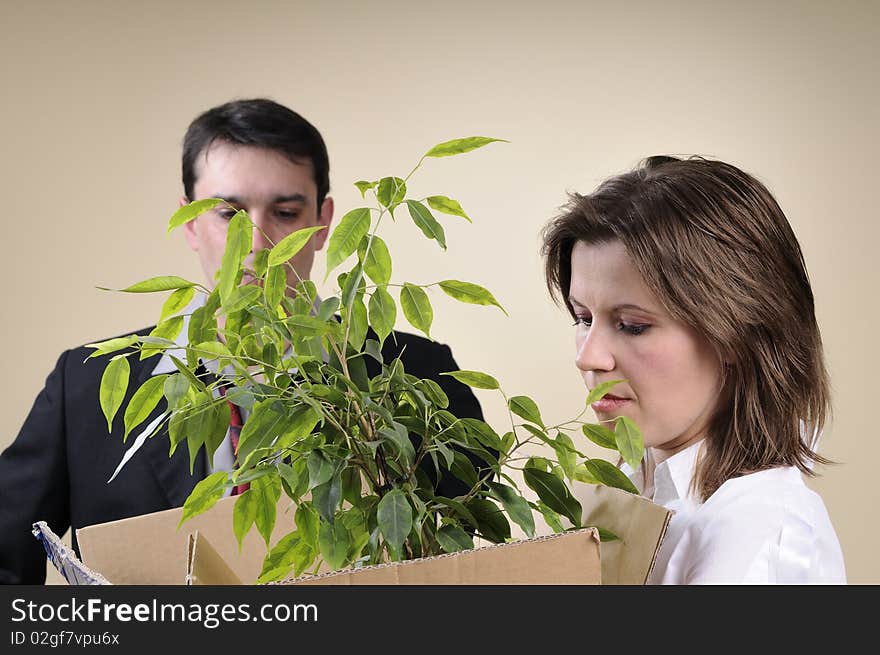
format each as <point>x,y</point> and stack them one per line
<point>206,566</point>
<point>64,559</point>
<point>545,565</point>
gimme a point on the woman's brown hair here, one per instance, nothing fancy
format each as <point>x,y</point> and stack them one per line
<point>713,245</point>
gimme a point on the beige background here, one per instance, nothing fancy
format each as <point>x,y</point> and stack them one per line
<point>96,96</point>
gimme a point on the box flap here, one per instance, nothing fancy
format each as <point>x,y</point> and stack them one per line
<point>205,566</point>
<point>640,524</point>
<point>149,549</point>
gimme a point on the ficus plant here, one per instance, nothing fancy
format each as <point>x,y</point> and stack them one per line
<point>348,450</point>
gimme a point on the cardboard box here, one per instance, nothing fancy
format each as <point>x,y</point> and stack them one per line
<point>205,551</point>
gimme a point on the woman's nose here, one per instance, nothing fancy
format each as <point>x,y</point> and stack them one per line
<point>593,350</point>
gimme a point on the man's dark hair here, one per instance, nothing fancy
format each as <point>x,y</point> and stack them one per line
<point>261,123</point>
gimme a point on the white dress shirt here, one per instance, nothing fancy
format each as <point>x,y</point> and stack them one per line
<point>761,528</point>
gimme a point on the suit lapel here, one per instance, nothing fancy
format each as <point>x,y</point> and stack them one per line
<point>172,473</point>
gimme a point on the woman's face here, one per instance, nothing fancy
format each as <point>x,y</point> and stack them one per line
<point>672,376</point>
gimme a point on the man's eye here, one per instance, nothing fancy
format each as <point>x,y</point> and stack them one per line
<point>287,214</point>
<point>226,214</point>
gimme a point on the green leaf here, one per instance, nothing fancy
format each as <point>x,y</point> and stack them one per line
<point>426,222</point>
<point>475,379</point>
<point>203,497</point>
<point>582,474</point>
<point>391,191</point>
<point>399,438</point>
<point>600,435</point>
<point>307,522</point>
<point>609,475</point>
<point>244,513</point>
<point>447,206</point>
<point>326,497</point>
<point>377,262</point>
<point>551,517</point>
<point>193,210</point>
<point>493,525</point>
<point>239,241</point>
<point>605,535</point>
<point>525,408</point>
<point>417,308</point>
<point>160,283</point>
<point>470,293</point>
<point>308,326</point>
<point>453,539</point>
<point>177,301</point>
<point>357,324</point>
<point>364,186</point>
<point>516,506</point>
<point>459,146</point>
<point>292,244</point>
<point>347,236</point>
<point>483,433</point>
<point>553,492</point>
<point>266,423</point>
<point>242,297</point>
<point>275,286</point>
<point>334,541</point>
<point>394,516</point>
<point>628,439</point>
<point>383,312</point>
<point>143,402</point>
<point>266,491</point>
<point>169,329</point>
<point>320,469</point>
<point>434,392</point>
<point>209,350</point>
<point>111,345</point>
<point>600,390</point>
<point>114,384</point>
<point>279,560</point>
<point>354,284</point>
<point>176,386</point>
<point>566,454</point>
<point>189,375</point>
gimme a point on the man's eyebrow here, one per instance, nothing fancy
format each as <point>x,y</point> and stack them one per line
<point>293,197</point>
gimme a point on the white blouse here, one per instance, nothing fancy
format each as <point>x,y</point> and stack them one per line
<point>761,528</point>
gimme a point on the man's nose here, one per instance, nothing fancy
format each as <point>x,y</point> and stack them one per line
<point>594,352</point>
<point>262,234</point>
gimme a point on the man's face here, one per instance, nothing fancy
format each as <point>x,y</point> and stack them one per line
<point>280,197</point>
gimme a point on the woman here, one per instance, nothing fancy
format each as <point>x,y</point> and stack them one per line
<point>686,281</point>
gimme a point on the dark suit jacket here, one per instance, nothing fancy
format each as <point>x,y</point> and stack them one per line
<point>57,468</point>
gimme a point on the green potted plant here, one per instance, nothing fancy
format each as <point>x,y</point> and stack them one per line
<point>349,450</point>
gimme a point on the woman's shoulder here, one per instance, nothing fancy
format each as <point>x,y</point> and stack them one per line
<point>763,501</point>
<point>770,519</point>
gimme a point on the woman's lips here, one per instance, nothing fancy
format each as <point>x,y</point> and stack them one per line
<point>609,403</point>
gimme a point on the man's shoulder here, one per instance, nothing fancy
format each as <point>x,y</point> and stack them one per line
<point>412,346</point>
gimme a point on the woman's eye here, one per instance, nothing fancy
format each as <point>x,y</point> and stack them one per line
<point>586,321</point>
<point>633,328</point>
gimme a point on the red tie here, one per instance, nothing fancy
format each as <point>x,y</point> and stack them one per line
<point>235,424</point>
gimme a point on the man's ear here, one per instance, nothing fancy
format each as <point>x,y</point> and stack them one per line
<point>325,217</point>
<point>189,228</point>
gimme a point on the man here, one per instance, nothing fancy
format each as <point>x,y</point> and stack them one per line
<point>261,157</point>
